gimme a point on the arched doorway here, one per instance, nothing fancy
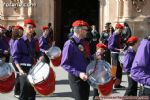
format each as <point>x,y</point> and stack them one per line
<point>72,10</point>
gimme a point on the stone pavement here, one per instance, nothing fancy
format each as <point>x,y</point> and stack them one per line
<point>62,91</point>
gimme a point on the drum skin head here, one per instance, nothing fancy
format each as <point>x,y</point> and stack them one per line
<point>38,73</point>
<point>54,52</point>
<point>99,75</point>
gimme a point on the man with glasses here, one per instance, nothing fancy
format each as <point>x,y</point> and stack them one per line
<point>24,55</point>
<point>75,60</point>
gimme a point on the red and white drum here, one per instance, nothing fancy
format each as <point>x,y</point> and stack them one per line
<point>54,53</point>
<point>42,77</point>
<point>99,76</point>
<point>7,78</point>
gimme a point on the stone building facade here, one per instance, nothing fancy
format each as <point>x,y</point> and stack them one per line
<point>135,12</point>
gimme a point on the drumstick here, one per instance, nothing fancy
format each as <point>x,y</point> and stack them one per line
<point>94,69</point>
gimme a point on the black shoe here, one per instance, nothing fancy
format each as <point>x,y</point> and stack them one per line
<point>119,87</point>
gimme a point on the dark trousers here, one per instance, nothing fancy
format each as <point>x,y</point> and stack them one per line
<point>17,86</point>
<point>17,83</point>
<point>80,88</point>
<point>115,62</point>
<point>95,93</point>
<point>132,87</point>
<point>26,90</point>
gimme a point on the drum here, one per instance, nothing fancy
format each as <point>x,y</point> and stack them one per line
<point>54,53</point>
<point>121,58</point>
<point>99,76</point>
<point>42,78</point>
<point>99,73</point>
<point>7,78</point>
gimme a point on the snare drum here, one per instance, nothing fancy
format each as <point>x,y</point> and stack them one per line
<point>99,73</point>
<point>54,53</point>
<point>7,78</point>
<point>99,76</point>
<point>42,78</point>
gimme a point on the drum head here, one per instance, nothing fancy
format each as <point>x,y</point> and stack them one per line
<point>54,52</point>
<point>5,71</point>
<point>99,75</point>
<point>121,58</point>
<point>38,73</point>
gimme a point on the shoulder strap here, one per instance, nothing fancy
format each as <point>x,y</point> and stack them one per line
<point>78,46</point>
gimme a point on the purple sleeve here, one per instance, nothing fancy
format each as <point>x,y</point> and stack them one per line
<point>111,44</point>
<point>128,59</point>
<point>140,70</point>
<point>67,53</point>
<point>17,54</point>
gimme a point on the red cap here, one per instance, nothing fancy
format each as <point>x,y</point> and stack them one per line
<point>2,27</point>
<point>132,39</point>
<point>80,23</point>
<point>29,21</point>
<point>119,26</point>
<point>44,27</point>
<point>18,27</point>
<point>101,45</point>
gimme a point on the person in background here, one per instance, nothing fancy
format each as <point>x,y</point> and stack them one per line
<point>93,38</point>
<point>115,46</point>
<point>126,32</point>
<point>44,43</point>
<point>50,33</point>
<point>4,45</point>
<point>128,60</point>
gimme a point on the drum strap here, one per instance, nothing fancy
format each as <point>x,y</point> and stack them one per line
<point>77,45</point>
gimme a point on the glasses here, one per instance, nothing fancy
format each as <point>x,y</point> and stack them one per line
<point>30,27</point>
<point>85,29</point>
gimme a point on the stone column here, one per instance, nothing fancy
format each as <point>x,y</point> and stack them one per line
<point>101,15</point>
<point>127,12</point>
<point>22,12</point>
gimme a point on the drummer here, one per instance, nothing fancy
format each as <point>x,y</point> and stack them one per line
<point>115,46</point>
<point>24,54</point>
<point>16,31</point>
<point>128,60</point>
<point>44,43</point>
<point>140,70</point>
<point>75,60</point>
<point>4,45</point>
<point>99,55</point>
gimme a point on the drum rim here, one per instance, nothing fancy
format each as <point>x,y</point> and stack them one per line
<point>101,61</point>
<point>33,69</point>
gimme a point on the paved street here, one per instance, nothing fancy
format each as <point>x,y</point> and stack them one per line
<point>63,91</point>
